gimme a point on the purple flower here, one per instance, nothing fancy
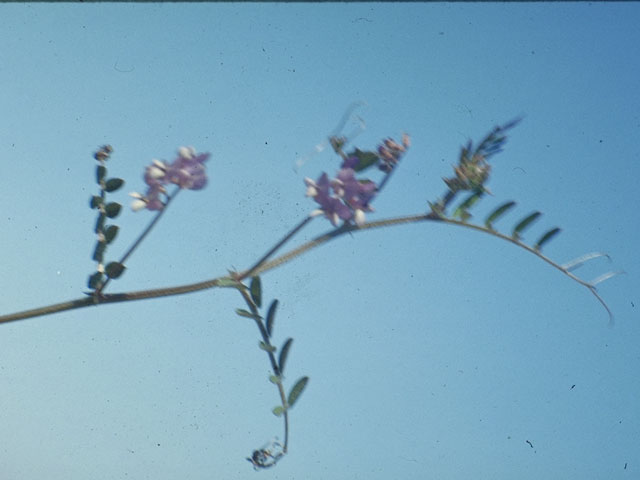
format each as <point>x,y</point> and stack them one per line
<point>349,200</point>
<point>187,171</point>
<point>330,205</point>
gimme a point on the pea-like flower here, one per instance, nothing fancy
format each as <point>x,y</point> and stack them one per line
<point>349,200</point>
<point>186,171</point>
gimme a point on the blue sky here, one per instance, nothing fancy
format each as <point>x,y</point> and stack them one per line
<point>433,351</point>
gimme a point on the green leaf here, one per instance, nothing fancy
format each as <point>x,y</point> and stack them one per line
<point>96,201</point>
<point>296,391</point>
<point>546,237</point>
<point>524,223</point>
<point>98,252</point>
<point>498,212</point>
<point>256,291</point>
<point>113,184</point>
<point>95,280</point>
<point>100,223</point>
<point>112,209</point>
<point>469,202</point>
<point>267,348</point>
<point>271,314</point>
<point>114,269</point>
<point>278,411</point>
<point>110,233</point>
<point>284,352</point>
<point>101,171</point>
<point>245,313</point>
<point>365,159</point>
<point>276,379</point>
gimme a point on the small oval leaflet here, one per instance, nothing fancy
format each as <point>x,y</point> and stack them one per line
<point>95,280</point>
<point>271,313</point>
<point>101,171</point>
<point>284,352</point>
<point>113,184</point>
<point>110,233</point>
<point>114,269</point>
<point>112,209</point>
<point>528,220</point>
<point>98,252</point>
<point>546,237</point>
<point>278,411</point>
<point>267,348</point>
<point>96,201</point>
<point>498,212</point>
<point>256,291</point>
<point>296,391</point>
<point>469,202</point>
<point>245,313</point>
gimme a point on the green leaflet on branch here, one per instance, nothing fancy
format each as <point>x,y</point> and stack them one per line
<point>546,237</point>
<point>113,184</point>
<point>284,352</point>
<point>95,280</point>
<point>96,201</point>
<point>110,233</point>
<point>114,269</point>
<point>271,314</point>
<point>267,348</point>
<point>365,159</point>
<point>497,213</point>
<point>245,313</point>
<point>256,291</point>
<point>112,209</point>
<point>524,223</point>
<point>98,252</point>
<point>462,211</point>
<point>101,171</point>
<point>297,390</point>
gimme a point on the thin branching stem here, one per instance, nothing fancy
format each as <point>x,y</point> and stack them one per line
<point>250,272</point>
<point>142,236</point>
<point>272,359</point>
<point>225,281</point>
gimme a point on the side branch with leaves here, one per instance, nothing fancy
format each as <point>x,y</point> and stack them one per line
<point>344,200</point>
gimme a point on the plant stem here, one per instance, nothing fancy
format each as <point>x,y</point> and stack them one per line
<point>276,247</point>
<point>274,365</point>
<point>142,236</point>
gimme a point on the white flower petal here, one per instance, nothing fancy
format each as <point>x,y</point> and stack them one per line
<point>138,205</point>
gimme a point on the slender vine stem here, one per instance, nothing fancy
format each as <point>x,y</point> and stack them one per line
<point>248,273</point>
<point>272,359</point>
<point>226,281</point>
<point>142,236</point>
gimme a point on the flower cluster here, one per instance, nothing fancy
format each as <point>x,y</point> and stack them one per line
<point>346,197</point>
<point>186,171</point>
<point>390,152</point>
<point>471,174</point>
<point>350,198</point>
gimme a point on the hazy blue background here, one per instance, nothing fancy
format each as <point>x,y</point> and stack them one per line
<point>434,352</point>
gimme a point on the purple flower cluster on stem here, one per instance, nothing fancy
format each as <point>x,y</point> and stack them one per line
<point>187,171</point>
<point>344,197</point>
<point>347,198</point>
